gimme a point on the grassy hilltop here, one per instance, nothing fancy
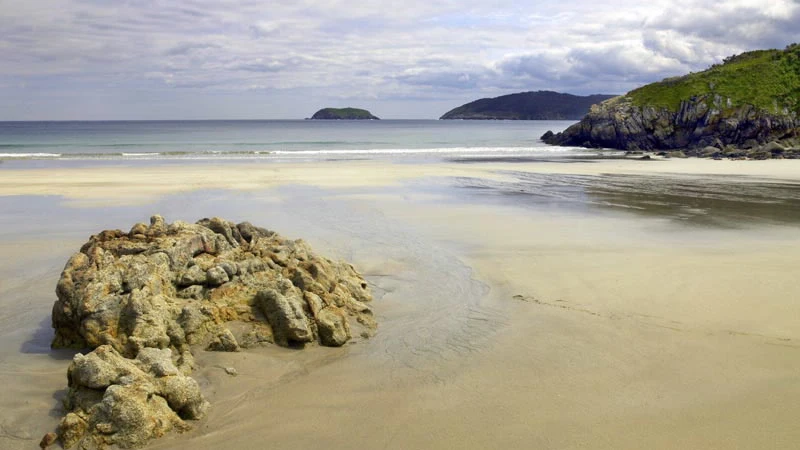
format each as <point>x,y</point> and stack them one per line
<point>766,79</point>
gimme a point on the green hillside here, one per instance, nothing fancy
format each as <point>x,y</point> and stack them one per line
<point>766,79</point>
<point>540,105</point>
<point>343,114</point>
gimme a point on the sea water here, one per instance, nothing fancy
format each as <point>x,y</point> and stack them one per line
<point>273,139</point>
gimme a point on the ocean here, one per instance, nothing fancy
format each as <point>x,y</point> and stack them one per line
<point>272,139</point>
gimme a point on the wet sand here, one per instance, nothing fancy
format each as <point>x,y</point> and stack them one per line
<point>529,305</point>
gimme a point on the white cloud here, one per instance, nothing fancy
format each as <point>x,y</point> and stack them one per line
<point>415,52</point>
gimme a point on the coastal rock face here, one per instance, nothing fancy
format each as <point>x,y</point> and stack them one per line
<point>750,102</point>
<point>144,299</point>
<point>540,105</point>
<point>343,114</point>
<point>699,122</point>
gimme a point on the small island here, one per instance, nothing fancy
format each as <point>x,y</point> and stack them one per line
<point>343,114</point>
<point>539,105</point>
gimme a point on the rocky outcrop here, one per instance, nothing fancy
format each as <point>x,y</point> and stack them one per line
<point>144,299</point>
<point>746,106</point>
<point>700,122</point>
<point>113,400</point>
<point>539,105</point>
<point>176,285</point>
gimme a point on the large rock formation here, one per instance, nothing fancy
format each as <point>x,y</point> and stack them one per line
<point>539,105</point>
<point>144,299</point>
<point>752,101</point>
<point>699,122</point>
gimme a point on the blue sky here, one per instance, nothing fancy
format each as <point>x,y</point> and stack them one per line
<point>202,59</point>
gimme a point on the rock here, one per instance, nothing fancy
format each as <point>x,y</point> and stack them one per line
<point>749,144</point>
<point>760,155</point>
<point>157,224</point>
<point>183,396</point>
<point>774,148</point>
<point>143,300</point>
<point>231,371</point>
<point>113,400</point>
<point>678,154</point>
<point>94,371</point>
<point>194,275</point>
<point>619,123</point>
<point>224,228</point>
<point>192,292</point>
<point>71,429</point>
<point>216,276</point>
<point>187,280</point>
<point>286,316</point>
<point>157,361</point>
<point>333,328</point>
<point>139,229</point>
<point>230,268</point>
<point>224,342</point>
<point>48,440</point>
<point>250,232</point>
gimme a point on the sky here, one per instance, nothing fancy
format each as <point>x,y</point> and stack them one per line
<point>404,59</point>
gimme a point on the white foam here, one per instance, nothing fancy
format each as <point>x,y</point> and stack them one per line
<point>257,154</point>
<point>29,155</point>
<point>428,151</point>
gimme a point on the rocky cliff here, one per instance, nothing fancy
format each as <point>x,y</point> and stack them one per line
<point>750,102</point>
<point>343,114</point>
<point>540,105</point>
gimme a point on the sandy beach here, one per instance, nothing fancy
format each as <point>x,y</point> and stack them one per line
<point>617,304</point>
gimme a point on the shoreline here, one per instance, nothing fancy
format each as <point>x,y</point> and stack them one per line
<point>131,183</point>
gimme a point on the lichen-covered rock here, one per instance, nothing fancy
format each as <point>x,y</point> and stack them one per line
<point>125,402</point>
<point>333,328</point>
<point>144,299</point>
<point>284,311</point>
<point>175,285</point>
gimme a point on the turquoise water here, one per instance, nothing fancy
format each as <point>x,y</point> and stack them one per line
<point>272,139</point>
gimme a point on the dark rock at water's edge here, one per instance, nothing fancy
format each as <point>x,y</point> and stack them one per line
<point>539,105</point>
<point>343,114</point>
<point>748,106</point>
<point>144,300</point>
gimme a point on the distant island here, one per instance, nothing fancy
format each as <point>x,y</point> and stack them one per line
<point>343,114</point>
<point>539,105</point>
<point>748,106</point>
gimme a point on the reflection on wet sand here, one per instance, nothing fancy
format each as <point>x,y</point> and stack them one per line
<point>710,200</point>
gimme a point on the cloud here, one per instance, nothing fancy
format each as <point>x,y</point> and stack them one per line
<point>421,51</point>
<point>730,25</point>
<point>187,48</point>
